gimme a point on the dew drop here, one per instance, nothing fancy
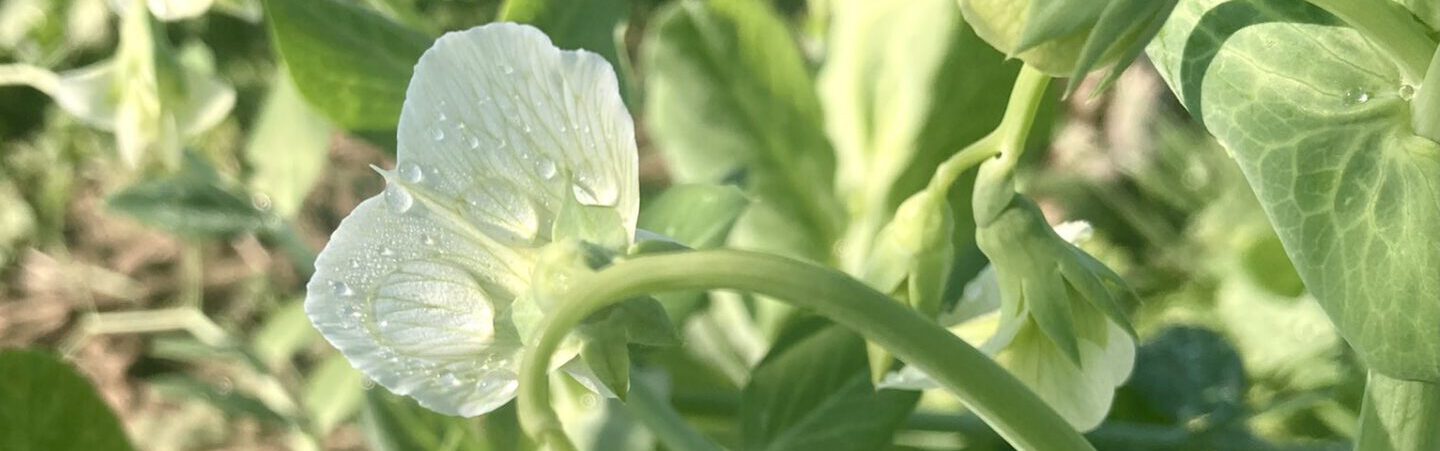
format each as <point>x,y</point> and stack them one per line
<point>546,168</point>
<point>527,127</point>
<point>508,70</point>
<point>450,380</point>
<point>367,384</point>
<point>1407,92</point>
<point>502,144</point>
<point>437,133</point>
<point>341,288</point>
<point>354,264</point>
<point>411,172</point>
<point>442,117</point>
<point>427,239</point>
<point>1357,96</point>
<point>384,323</point>
<point>563,129</point>
<point>589,191</point>
<point>398,198</point>
<point>473,141</point>
<point>387,252</point>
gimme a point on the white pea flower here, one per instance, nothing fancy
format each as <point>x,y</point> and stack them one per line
<point>504,140</point>
<point>146,97</point>
<point>1082,394</point>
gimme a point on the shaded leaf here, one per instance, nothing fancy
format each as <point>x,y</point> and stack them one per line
<point>45,404</point>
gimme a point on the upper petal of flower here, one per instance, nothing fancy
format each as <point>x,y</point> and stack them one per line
<point>499,130</point>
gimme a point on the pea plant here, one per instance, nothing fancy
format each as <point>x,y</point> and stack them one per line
<point>856,239</point>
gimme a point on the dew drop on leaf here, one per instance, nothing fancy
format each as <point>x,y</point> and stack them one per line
<point>1356,96</point>
<point>1407,92</point>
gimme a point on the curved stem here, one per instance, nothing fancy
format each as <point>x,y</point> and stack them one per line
<point>1389,26</point>
<point>992,393</point>
<point>1008,139</point>
<point>1399,415</point>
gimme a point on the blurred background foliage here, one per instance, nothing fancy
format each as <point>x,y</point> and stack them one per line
<point>176,288</point>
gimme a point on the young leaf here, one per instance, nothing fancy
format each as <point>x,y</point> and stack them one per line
<point>696,215</point>
<point>352,64</point>
<point>728,94</point>
<point>46,404</point>
<point>814,392</point>
<point>1311,111</point>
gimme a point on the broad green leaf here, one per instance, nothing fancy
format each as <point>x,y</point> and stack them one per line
<point>350,63</point>
<point>696,215</point>
<point>813,392</point>
<point>1311,111</point>
<point>593,25</point>
<point>288,147</point>
<point>196,203</point>
<point>499,130</point>
<point>728,97</point>
<point>45,404</point>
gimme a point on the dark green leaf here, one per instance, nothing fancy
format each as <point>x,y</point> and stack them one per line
<point>46,405</point>
<point>350,63</point>
<point>815,393</point>
<point>194,203</point>
<point>1312,113</point>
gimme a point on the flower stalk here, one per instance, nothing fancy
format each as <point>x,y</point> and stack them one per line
<point>991,392</point>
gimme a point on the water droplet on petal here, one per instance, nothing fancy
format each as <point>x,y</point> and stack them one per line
<point>398,198</point>
<point>473,141</point>
<point>341,288</point>
<point>367,384</point>
<point>546,168</point>
<point>508,70</point>
<point>527,127</point>
<point>437,133</point>
<point>387,252</point>
<point>596,193</point>
<point>1407,92</point>
<point>427,239</point>
<point>411,172</point>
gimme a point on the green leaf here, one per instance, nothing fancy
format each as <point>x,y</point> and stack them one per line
<point>288,147</point>
<point>594,25</point>
<point>697,215</point>
<point>1311,112</point>
<point>45,404</point>
<point>350,63</point>
<point>814,392</point>
<point>604,350</point>
<point>283,333</point>
<point>728,96</point>
<point>195,203</point>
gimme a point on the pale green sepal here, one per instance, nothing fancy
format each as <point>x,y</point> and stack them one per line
<point>605,352</point>
<point>1049,303</point>
<point>599,225</point>
<point>1047,20</point>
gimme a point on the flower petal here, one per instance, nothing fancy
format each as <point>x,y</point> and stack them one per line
<point>416,286</point>
<point>512,125</point>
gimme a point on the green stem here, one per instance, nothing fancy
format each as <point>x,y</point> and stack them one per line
<point>1399,415</point>
<point>1008,139</point>
<point>1389,26</point>
<point>23,74</point>
<point>993,394</point>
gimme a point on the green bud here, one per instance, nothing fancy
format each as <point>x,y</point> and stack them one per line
<point>915,250</point>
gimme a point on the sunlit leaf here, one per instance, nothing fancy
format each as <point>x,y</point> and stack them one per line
<point>1311,111</point>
